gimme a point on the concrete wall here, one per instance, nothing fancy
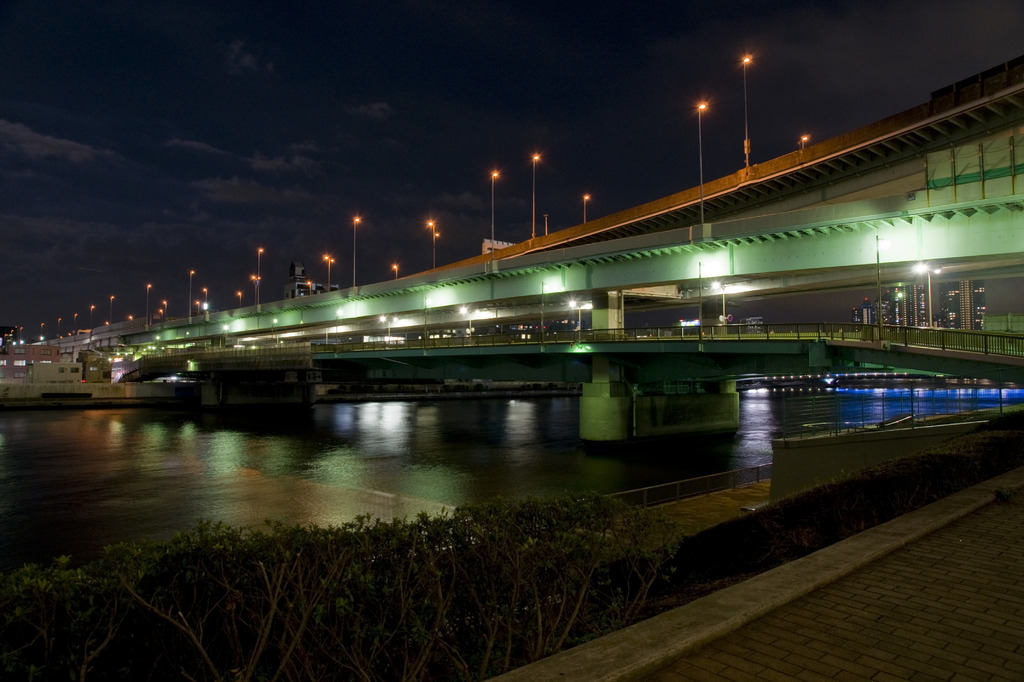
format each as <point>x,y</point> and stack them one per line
<point>707,413</point>
<point>801,464</point>
<point>36,391</point>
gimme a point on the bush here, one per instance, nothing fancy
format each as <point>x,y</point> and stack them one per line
<point>464,596</point>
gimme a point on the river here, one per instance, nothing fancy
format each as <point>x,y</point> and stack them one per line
<point>72,481</point>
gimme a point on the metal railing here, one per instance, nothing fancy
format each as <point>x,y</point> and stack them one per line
<point>694,487</point>
<point>985,343</point>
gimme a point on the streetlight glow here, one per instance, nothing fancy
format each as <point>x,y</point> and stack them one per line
<point>433,241</point>
<point>925,268</point>
<point>394,266</point>
<point>586,198</point>
<point>804,139</point>
<point>329,260</point>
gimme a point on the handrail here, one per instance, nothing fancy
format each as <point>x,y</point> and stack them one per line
<point>693,487</point>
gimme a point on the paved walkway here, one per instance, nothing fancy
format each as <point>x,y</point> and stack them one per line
<point>937,594</point>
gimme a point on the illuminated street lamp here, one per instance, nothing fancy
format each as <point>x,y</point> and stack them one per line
<point>164,314</point>
<point>328,260</point>
<point>74,324</point>
<point>394,266</point>
<point>41,325</point>
<point>255,291</point>
<point>386,321</point>
<point>586,198</point>
<point>91,308</point>
<point>259,274</point>
<point>433,237</point>
<point>58,326</point>
<point>111,317</point>
<point>700,156</point>
<point>239,293</point>
<point>191,274</point>
<point>533,211</point>
<point>804,139</point>
<point>148,287</point>
<point>746,130</point>
<point>924,267</point>
<point>206,299</point>
<point>721,287</point>
<point>355,221</point>
<point>494,176</point>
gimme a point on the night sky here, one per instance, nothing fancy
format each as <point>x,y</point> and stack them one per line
<point>142,140</point>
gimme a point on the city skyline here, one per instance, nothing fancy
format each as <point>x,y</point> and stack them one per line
<point>154,156</point>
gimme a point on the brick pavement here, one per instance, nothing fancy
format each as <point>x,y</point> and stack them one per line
<point>936,594</point>
<point>947,607</point>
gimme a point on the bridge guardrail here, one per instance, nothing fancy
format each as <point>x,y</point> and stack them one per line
<point>693,487</point>
<point>986,343</point>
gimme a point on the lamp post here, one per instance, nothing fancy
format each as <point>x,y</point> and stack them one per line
<point>41,325</point>
<point>700,156</point>
<point>879,245</point>
<point>804,139</point>
<point>394,266</point>
<point>58,326</point>
<point>259,275</point>
<point>328,260</point>
<point>494,176</point>
<point>206,299</point>
<point>74,324</point>
<point>91,308</point>
<point>163,316</point>
<point>700,301</point>
<point>586,198</point>
<point>255,292</point>
<point>355,222</point>
<point>110,318</point>
<point>148,287</point>
<point>191,274</point>
<point>387,322</point>
<point>533,210</point>
<point>925,268</point>
<point>239,294</point>
<point>433,241</point>
<point>746,130</point>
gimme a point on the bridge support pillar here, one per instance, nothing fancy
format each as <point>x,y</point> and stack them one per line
<point>218,392</point>
<point>610,411</point>
<point>608,310</point>
<point>606,404</point>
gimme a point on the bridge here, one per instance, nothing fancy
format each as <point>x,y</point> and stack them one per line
<point>940,182</point>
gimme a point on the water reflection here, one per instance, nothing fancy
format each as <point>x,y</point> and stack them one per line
<point>73,481</point>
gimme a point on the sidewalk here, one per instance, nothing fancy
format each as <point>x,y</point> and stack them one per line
<point>937,594</point>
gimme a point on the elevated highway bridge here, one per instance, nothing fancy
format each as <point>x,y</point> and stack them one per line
<point>941,182</point>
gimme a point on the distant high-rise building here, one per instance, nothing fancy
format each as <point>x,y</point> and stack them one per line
<point>962,304</point>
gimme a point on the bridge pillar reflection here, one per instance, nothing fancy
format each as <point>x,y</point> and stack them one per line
<point>608,310</point>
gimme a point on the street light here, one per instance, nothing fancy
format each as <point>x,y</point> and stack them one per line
<point>239,293</point>
<point>433,236</point>
<point>41,325</point>
<point>74,324</point>
<point>110,319</point>
<point>700,156</point>
<point>191,274</point>
<point>586,198</point>
<point>804,139</point>
<point>924,267</point>
<point>355,221</point>
<point>259,274</point>
<point>533,211</point>
<point>164,314</point>
<point>148,287</point>
<point>494,176</point>
<point>718,285</point>
<point>879,245</point>
<point>206,299</point>
<point>329,260</point>
<point>746,130</point>
<point>255,292</point>
<point>394,266</point>
<point>91,308</point>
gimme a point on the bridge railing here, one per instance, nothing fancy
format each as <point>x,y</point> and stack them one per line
<point>987,343</point>
<point>693,487</point>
